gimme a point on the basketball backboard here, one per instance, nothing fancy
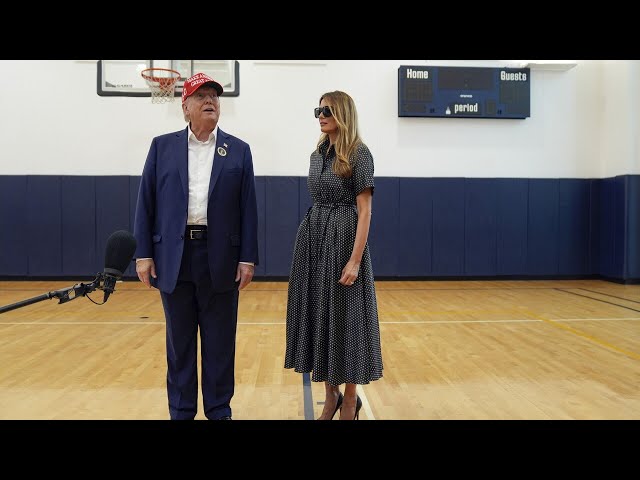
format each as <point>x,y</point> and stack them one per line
<point>121,78</point>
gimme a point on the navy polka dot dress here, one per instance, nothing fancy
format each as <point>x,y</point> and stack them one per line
<point>332,329</point>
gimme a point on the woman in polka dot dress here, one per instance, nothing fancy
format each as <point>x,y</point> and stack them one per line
<point>332,313</point>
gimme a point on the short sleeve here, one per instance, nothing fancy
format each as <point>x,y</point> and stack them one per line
<point>363,169</point>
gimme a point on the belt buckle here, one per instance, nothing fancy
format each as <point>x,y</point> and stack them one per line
<point>191,234</point>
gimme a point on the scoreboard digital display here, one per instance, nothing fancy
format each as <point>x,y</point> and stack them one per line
<point>471,92</point>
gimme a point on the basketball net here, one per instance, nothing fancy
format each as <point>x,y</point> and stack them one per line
<point>162,83</point>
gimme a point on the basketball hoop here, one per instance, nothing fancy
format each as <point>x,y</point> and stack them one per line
<point>162,83</point>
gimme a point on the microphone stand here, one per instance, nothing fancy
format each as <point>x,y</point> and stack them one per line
<point>64,295</point>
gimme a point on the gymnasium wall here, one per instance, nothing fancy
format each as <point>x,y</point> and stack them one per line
<point>57,226</point>
<point>553,195</point>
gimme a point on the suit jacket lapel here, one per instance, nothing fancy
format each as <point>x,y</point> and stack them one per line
<point>183,160</point>
<point>218,159</point>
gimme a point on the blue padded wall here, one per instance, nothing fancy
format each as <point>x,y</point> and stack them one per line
<point>512,199</point>
<point>611,218</point>
<point>620,216</point>
<point>595,199</point>
<point>14,257</point>
<point>542,227</point>
<point>55,226</point>
<point>415,212</point>
<point>112,212</point>
<point>573,227</point>
<point>281,222</point>
<point>448,227</point>
<point>633,226</point>
<point>78,225</point>
<point>44,225</point>
<point>480,232</point>
<point>606,218</point>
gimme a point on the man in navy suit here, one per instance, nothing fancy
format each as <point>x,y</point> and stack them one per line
<point>196,231</point>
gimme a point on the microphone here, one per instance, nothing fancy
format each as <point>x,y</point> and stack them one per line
<point>121,246</point>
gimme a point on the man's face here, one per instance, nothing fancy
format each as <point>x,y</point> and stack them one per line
<point>203,107</point>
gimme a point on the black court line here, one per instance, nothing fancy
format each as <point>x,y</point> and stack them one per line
<point>598,300</point>
<point>609,295</point>
<point>308,397</point>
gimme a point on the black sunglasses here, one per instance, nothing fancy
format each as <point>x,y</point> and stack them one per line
<point>326,111</point>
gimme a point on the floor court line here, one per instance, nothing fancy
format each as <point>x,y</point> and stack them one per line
<point>602,343</point>
<point>598,300</point>
<point>609,295</point>
<point>383,322</point>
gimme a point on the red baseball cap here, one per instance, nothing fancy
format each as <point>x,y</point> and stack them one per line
<point>195,82</point>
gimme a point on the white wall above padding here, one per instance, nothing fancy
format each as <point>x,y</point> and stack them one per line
<point>583,121</point>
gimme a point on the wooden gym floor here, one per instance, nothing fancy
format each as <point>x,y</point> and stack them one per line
<point>451,350</point>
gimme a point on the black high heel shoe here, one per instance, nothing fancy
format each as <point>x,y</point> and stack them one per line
<point>338,405</point>
<point>358,407</point>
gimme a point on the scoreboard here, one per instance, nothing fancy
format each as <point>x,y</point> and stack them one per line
<point>472,92</point>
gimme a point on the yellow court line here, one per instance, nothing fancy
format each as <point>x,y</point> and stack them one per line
<point>598,319</point>
<point>586,335</point>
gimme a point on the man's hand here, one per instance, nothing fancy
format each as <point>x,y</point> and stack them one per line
<point>244,273</point>
<point>144,268</point>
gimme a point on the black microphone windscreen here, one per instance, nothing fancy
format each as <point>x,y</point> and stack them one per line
<point>121,246</point>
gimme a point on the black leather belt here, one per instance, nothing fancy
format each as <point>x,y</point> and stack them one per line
<point>196,232</point>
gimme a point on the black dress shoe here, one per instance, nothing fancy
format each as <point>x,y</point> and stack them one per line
<point>226,417</point>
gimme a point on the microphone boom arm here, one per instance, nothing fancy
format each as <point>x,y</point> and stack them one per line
<point>121,246</point>
<point>63,295</point>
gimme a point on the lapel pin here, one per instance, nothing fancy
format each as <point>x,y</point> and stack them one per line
<point>226,146</point>
<point>222,152</point>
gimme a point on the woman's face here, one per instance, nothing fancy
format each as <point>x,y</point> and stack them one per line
<point>328,123</point>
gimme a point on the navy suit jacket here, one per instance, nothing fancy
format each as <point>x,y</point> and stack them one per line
<point>161,209</point>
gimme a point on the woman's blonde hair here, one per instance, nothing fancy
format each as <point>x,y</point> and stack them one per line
<point>343,109</point>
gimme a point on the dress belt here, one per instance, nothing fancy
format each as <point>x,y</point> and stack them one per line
<point>326,223</point>
<point>333,205</point>
<point>196,232</point>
